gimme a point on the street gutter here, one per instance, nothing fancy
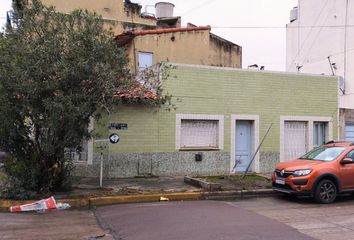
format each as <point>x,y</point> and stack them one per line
<point>92,202</point>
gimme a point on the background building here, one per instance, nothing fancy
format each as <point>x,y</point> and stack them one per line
<point>118,15</point>
<point>320,39</point>
<point>190,45</point>
<point>150,39</point>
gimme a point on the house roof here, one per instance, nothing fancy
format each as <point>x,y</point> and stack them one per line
<point>170,30</point>
<point>137,92</point>
<point>124,38</point>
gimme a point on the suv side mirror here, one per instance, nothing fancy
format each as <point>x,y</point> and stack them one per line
<point>346,161</point>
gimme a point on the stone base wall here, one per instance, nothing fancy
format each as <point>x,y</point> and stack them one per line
<point>92,170</point>
<point>268,160</point>
<point>167,164</point>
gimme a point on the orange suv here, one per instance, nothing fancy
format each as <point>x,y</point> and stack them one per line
<point>321,173</point>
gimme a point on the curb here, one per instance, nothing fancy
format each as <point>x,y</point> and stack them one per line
<point>239,195</point>
<point>101,201</point>
<point>111,200</point>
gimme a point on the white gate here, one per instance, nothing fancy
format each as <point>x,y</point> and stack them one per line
<point>295,139</point>
<point>349,132</point>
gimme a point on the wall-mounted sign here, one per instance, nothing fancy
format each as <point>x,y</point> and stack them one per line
<point>119,126</point>
<point>114,138</point>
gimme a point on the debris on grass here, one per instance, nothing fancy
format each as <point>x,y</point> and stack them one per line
<point>235,182</point>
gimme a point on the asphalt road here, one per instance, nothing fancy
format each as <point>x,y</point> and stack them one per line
<point>198,220</point>
<point>321,221</point>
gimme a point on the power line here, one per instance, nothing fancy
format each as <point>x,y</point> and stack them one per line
<point>201,5</point>
<point>308,35</point>
<point>314,40</point>
<point>324,58</point>
<point>282,27</point>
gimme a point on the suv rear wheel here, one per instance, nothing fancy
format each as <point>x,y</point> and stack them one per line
<point>326,191</point>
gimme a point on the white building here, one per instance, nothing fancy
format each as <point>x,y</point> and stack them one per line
<point>320,39</point>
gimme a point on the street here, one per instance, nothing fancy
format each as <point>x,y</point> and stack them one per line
<point>252,219</point>
<point>325,222</point>
<point>197,220</point>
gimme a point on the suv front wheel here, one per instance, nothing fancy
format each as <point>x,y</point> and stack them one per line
<point>326,191</point>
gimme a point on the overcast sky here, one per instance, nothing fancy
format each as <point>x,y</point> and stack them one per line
<point>238,21</point>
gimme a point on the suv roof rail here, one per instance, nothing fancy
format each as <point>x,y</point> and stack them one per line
<point>329,142</point>
<point>352,144</point>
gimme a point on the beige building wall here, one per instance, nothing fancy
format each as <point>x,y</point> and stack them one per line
<point>189,47</point>
<point>117,15</point>
<point>224,53</point>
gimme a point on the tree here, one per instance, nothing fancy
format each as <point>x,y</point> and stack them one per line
<point>56,72</point>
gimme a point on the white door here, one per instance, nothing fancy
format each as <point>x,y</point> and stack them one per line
<point>295,139</point>
<point>243,145</point>
<point>349,132</point>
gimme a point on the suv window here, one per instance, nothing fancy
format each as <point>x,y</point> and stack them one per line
<point>324,153</point>
<point>350,155</point>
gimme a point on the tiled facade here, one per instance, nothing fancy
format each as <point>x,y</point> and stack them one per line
<point>148,145</point>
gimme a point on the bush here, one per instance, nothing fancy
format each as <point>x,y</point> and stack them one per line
<point>56,72</point>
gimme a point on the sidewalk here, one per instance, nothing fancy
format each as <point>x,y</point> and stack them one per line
<point>87,193</point>
<point>137,185</point>
<point>74,224</point>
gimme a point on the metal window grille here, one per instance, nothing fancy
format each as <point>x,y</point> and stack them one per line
<point>319,131</point>
<point>295,139</point>
<point>199,133</point>
<point>78,154</point>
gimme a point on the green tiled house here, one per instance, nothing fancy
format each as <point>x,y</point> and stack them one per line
<point>220,119</point>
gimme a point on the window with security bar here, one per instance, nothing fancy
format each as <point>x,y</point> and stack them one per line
<point>319,133</point>
<point>199,133</point>
<point>80,154</point>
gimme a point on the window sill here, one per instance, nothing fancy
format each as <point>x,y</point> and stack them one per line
<point>199,149</point>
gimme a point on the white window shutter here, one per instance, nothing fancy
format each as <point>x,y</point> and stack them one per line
<point>199,133</point>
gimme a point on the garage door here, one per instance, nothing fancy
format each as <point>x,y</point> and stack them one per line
<point>349,132</point>
<point>295,139</point>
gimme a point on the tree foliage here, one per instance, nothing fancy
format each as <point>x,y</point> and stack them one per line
<point>56,71</point>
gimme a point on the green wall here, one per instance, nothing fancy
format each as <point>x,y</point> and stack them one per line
<point>221,91</point>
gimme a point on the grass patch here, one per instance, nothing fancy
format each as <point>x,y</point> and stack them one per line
<point>235,177</point>
<point>235,182</point>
